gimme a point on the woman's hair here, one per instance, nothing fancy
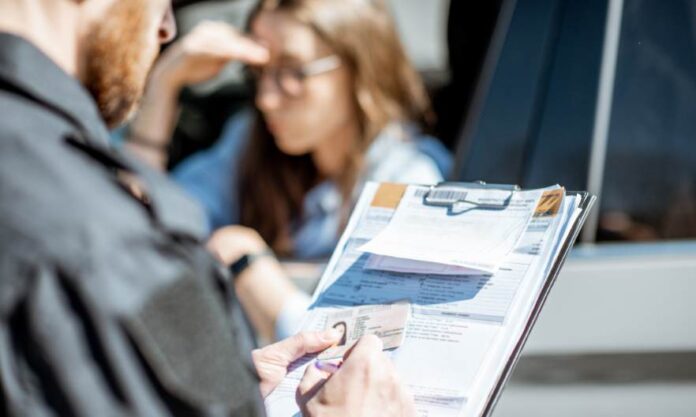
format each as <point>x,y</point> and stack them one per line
<point>386,87</point>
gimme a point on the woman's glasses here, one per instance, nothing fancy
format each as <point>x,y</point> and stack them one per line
<point>290,79</point>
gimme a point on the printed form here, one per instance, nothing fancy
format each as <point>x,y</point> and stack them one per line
<point>462,328</point>
<point>470,238</point>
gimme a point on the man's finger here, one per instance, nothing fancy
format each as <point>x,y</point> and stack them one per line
<point>365,356</point>
<point>312,381</point>
<point>365,348</point>
<point>311,378</point>
<point>308,342</point>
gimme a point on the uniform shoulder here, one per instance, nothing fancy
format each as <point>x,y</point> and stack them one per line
<point>50,196</point>
<point>26,126</point>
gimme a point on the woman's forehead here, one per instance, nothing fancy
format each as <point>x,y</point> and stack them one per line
<point>287,37</point>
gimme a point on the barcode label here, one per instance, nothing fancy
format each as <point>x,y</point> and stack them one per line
<point>443,195</point>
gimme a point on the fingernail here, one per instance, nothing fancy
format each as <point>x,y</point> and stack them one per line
<point>327,366</point>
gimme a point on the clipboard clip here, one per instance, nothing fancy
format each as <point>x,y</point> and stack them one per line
<point>448,193</point>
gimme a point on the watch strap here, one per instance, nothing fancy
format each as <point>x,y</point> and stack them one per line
<point>246,260</point>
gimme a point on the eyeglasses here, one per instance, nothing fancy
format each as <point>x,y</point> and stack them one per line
<point>290,79</point>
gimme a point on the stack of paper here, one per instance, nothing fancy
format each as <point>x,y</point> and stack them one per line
<point>473,279</point>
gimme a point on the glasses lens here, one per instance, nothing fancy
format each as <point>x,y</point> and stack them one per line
<point>290,80</point>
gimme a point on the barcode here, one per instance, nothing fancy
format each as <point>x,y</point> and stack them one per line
<point>445,195</point>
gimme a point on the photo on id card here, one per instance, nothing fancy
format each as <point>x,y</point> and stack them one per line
<point>386,321</point>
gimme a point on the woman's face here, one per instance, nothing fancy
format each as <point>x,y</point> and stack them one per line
<point>320,106</point>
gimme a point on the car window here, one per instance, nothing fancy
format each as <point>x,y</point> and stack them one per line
<point>649,187</point>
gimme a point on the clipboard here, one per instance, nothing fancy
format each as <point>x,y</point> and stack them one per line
<point>383,199</point>
<point>587,201</point>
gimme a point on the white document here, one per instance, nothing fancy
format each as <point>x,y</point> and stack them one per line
<point>471,238</point>
<point>462,328</point>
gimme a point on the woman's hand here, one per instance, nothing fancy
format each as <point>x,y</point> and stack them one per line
<point>199,56</point>
<point>231,242</point>
<point>203,53</point>
<point>263,288</point>
<point>272,361</point>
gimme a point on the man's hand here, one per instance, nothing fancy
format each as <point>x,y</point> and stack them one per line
<point>203,53</point>
<point>272,361</point>
<point>365,385</point>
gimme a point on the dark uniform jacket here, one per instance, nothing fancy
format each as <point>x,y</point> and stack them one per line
<point>109,303</point>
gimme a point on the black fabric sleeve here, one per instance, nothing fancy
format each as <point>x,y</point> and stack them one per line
<point>62,354</point>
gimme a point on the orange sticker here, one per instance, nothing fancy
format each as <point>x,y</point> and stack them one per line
<point>549,203</point>
<point>388,195</point>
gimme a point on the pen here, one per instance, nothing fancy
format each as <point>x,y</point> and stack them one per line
<point>329,367</point>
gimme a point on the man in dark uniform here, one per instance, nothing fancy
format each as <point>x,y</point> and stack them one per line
<point>109,302</point>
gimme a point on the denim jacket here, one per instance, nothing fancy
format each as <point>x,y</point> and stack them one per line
<point>398,154</point>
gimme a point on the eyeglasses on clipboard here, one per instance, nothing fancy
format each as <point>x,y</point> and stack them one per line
<point>449,194</point>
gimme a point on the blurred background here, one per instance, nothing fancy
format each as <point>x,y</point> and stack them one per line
<point>596,95</point>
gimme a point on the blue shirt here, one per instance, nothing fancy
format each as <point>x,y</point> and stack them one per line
<point>398,154</point>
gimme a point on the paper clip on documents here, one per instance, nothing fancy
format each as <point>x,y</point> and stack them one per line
<point>447,194</point>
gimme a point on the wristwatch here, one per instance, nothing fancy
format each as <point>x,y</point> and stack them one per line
<point>247,260</point>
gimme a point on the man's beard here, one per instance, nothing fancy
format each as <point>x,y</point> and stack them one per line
<point>118,58</point>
